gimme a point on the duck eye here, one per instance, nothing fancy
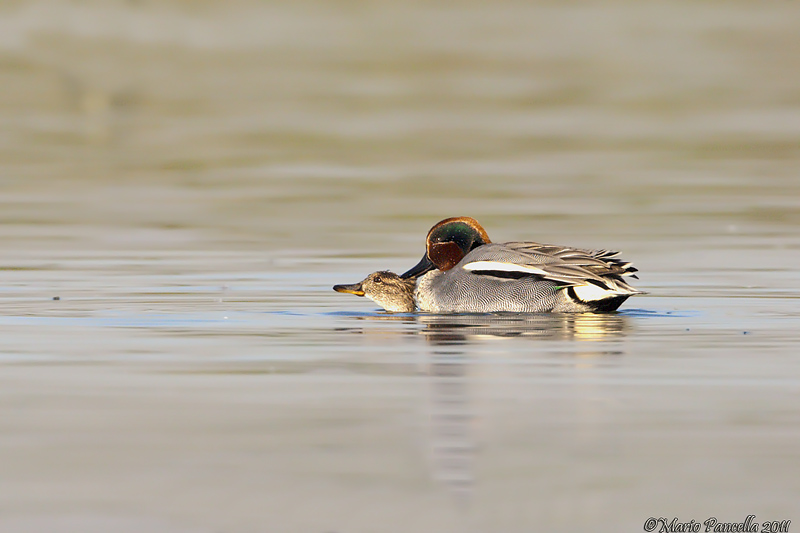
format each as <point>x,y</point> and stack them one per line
<point>378,279</point>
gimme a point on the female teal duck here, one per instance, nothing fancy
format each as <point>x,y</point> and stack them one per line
<point>463,271</point>
<point>386,289</point>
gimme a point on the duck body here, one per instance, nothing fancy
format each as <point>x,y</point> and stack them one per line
<point>476,291</point>
<point>464,272</point>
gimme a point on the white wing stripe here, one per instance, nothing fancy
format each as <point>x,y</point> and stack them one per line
<point>593,293</point>
<point>503,267</point>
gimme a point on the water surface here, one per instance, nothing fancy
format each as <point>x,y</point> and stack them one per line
<point>182,184</point>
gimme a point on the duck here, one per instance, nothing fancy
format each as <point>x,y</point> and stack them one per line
<point>463,271</point>
<point>385,288</point>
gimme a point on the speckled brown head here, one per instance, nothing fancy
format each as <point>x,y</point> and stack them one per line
<point>386,289</point>
<point>447,243</point>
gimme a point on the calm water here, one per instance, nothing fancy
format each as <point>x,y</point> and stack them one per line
<point>190,179</point>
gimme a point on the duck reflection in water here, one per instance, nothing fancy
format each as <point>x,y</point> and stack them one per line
<point>463,328</point>
<point>451,421</point>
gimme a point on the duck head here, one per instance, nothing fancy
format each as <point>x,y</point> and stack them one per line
<point>386,289</point>
<point>447,243</point>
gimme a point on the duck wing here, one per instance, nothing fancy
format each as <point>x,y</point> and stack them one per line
<point>569,266</point>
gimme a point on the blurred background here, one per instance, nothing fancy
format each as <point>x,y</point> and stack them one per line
<point>249,123</point>
<point>189,178</point>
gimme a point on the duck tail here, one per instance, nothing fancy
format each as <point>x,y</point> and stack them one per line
<point>597,291</point>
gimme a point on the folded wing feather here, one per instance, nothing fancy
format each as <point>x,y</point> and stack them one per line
<point>571,266</point>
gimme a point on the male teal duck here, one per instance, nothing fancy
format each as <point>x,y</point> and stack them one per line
<point>386,289</point>
<point>463,271</point>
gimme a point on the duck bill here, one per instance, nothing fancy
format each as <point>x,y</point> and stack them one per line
<point>355,288</point>
<point>420,268</point>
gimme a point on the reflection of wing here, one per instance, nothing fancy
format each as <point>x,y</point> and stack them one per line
<point>570,266</point>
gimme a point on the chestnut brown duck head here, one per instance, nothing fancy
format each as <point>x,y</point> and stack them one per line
<point>447,243</point>
<point>386,289</point>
